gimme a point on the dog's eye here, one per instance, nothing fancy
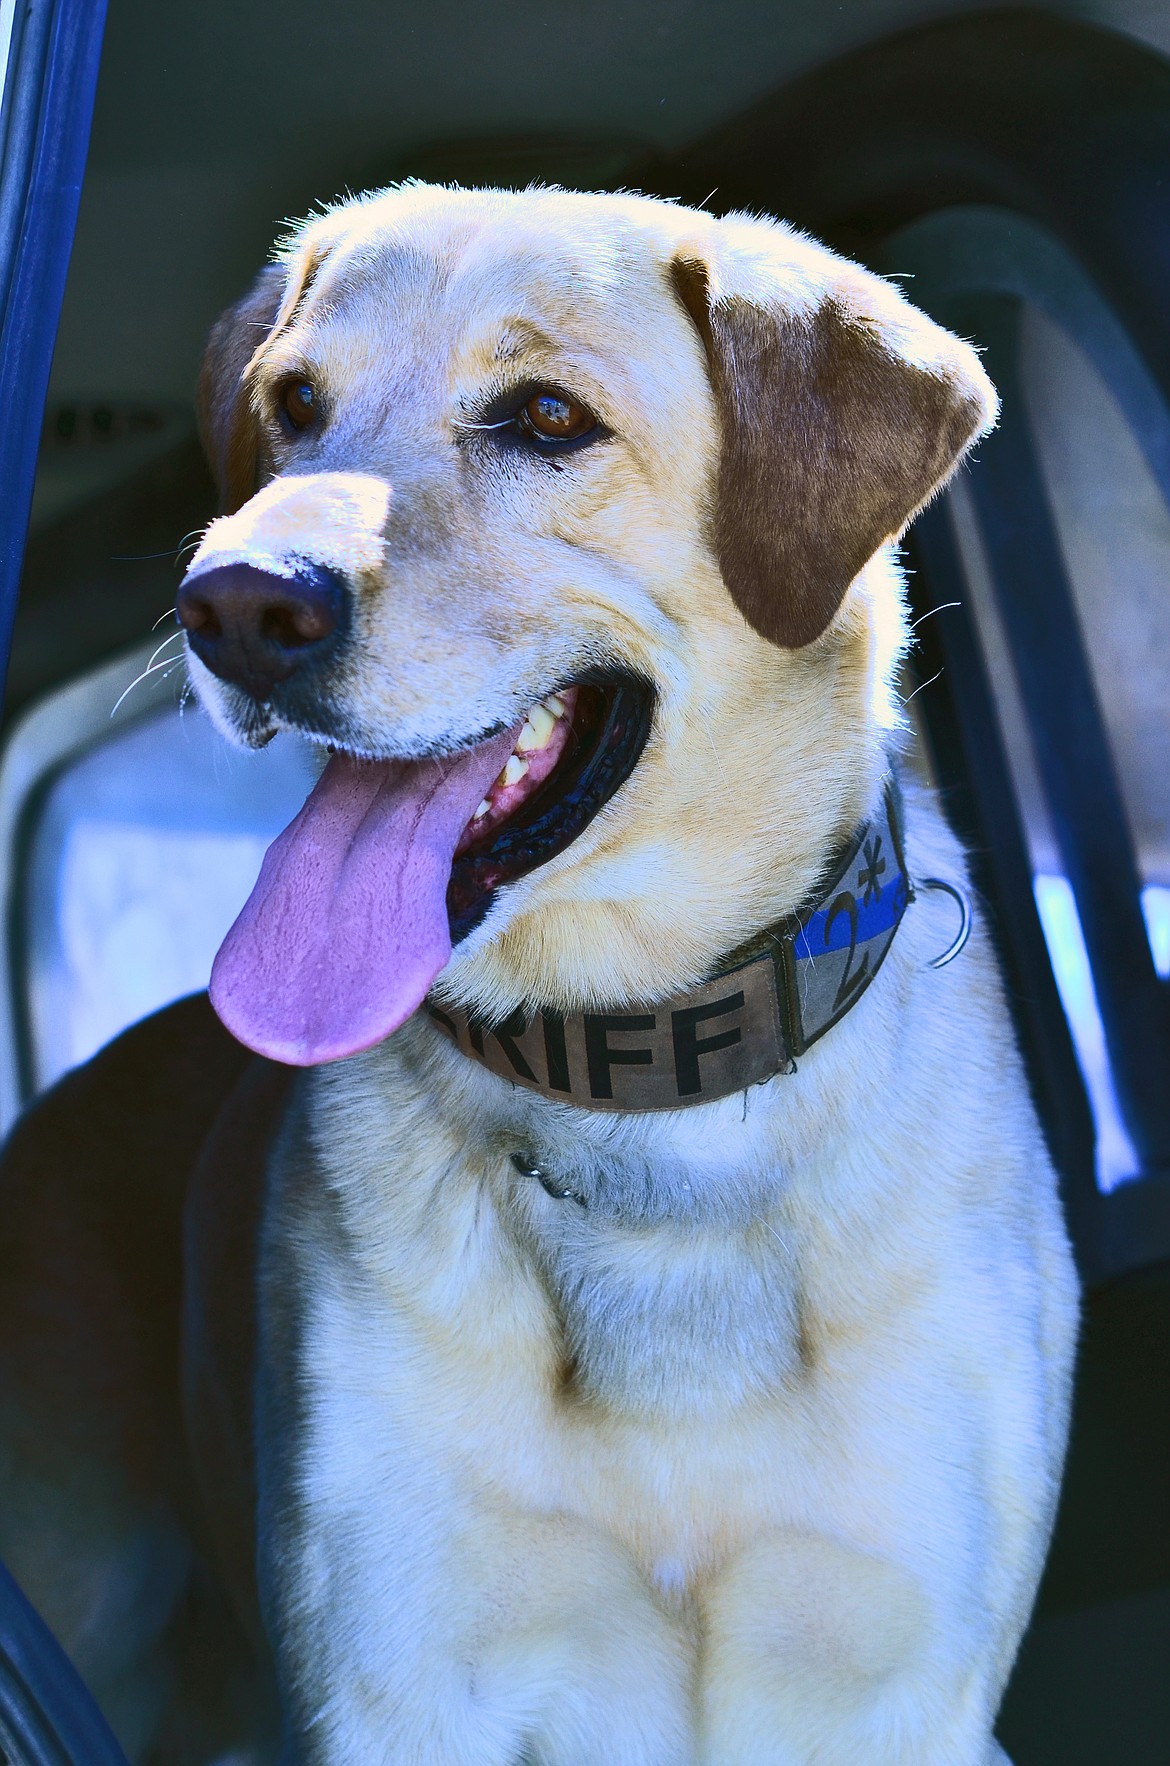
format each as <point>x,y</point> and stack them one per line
<point>298,403</point>
<point>553,416</point>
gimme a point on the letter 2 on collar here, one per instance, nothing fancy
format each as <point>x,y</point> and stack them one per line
<point>766,1005</point>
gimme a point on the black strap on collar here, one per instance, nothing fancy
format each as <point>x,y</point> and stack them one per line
<point>765,1005</point>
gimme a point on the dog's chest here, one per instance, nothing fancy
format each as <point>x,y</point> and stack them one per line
<point>468,1329</point>
<point>505,1405</point>
<point>669,1317</point>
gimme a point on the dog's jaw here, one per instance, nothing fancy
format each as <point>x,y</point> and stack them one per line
<point>723,827</point>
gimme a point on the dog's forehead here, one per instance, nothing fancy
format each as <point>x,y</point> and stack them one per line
<point>497,273</point>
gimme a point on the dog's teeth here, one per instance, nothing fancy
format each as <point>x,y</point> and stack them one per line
<point>538,727</point>
<point>514,771</point>
<point>482,810</point>
<point>555,704</point>
<point>543,721</point>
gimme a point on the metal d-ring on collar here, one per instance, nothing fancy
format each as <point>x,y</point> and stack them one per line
<point>526,1168</point>
<point>964,932</point>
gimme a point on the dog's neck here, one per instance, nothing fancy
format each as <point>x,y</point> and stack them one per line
<point>762,1006</point>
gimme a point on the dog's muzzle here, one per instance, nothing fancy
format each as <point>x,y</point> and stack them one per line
<point>255,628</point>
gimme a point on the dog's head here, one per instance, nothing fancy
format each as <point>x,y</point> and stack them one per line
<point>601,478</point>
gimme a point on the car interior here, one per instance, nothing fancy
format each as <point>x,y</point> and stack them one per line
<point>1008,166</point>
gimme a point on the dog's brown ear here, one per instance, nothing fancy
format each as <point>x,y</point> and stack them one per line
<point>227,423</point>
<point>842,410</point>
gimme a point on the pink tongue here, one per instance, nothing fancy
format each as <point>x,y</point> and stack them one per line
<point>347,925</point>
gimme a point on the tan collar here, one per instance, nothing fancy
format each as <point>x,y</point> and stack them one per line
<point>765,1004</point>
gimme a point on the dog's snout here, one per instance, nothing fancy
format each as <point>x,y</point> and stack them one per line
<point>254,628</point>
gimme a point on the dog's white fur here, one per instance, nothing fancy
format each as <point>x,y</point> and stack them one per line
<point>752,1461</point>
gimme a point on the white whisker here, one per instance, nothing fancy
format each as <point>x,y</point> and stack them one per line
<point>169,639</point>
<point>155,668</point>
<point>941,608</point>
<point>919,687</point>
<point>466,423</point>
<point>785,1248</point>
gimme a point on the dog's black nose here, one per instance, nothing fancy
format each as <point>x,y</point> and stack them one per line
<point>254,628</point>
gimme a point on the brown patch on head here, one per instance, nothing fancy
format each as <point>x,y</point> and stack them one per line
<point>831,442</point>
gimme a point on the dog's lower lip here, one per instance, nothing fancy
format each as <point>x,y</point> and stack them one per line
<point>330,742</point>
<point>611,724</point>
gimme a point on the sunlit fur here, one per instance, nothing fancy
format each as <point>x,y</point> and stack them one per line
<point>751,1462</point>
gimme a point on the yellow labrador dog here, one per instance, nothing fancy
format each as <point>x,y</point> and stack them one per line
<point>665,1312</point>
